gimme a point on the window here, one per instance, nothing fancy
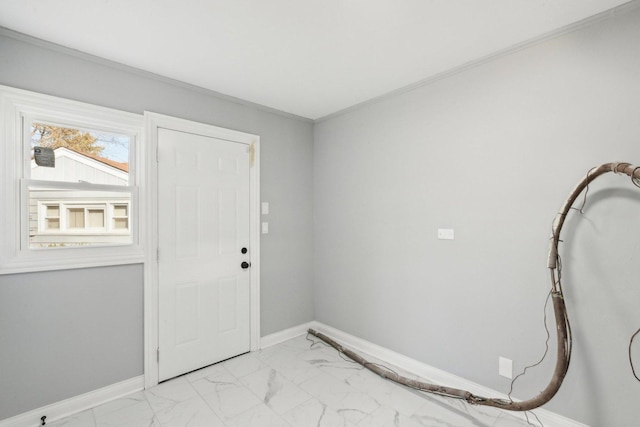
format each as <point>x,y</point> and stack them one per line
<point>72,179</point>
<point>51,218</point>
<point>120,217</point>
<point>89,223</point>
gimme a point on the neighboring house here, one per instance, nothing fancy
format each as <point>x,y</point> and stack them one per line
<point>74,217</point>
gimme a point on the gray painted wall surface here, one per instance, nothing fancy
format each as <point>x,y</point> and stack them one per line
<point>492,152</point>
<point>64,334</point>
<point>286,183</point>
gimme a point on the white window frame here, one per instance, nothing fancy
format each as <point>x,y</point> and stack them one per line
<point>19,108</point>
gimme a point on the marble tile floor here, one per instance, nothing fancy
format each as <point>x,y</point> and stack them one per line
<point>293,384</point>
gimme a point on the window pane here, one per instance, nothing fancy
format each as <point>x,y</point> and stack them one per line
<point>120,223</point>
<point>53,211</point>
<point>120,210</point>
<point>81,155</point>
<point>96,218</point>
<point>86,222</point>
<point>75,218</point>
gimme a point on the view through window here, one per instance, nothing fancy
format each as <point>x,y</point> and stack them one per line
<point>70,202</point>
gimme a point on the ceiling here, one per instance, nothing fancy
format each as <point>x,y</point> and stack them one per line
<point>310,58</point>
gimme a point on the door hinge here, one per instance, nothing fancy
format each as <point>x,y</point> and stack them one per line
<point>158,355</point>
<point>158,255</point>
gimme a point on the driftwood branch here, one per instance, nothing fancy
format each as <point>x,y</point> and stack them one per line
<point>563,331</point>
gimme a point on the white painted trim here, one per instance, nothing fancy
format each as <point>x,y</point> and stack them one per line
<point>254,241</point>
<point>286,334</point>
<point>434,375</point>
<point>150,284</point>
<point>75,404</point>
<point>153,122</point>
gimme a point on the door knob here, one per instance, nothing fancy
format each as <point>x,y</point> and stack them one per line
<point>245,265</point>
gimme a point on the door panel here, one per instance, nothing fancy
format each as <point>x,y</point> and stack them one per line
<point>187,312</point>
<point>203,223</point>
<point>228,312</point>
<point>187,222</point>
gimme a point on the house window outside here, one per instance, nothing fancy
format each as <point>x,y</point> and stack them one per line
<point>120,217</point>
<point>75,218</point>
<point>96,218</point>
<point>52,217</point>
<point>66,224</point>
<point>86,218</point>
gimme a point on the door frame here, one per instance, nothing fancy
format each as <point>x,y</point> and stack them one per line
<point>154,121</point>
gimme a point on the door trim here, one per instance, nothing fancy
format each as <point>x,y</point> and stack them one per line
<point>154,121</point>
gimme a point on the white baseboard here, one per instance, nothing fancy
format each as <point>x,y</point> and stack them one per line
<point>437,376</point>
<point>94,398</point>
<point>75,404</point>
<point>284,335</point>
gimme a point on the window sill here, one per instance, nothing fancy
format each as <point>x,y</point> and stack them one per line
<point>70,258</point>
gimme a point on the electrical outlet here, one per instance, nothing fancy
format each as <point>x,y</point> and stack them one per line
<point>445,233</point>
<point>505,367</point>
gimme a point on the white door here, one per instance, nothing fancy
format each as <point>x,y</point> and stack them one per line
<point>204,254</point>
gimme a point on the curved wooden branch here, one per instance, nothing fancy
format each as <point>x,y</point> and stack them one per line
<point>563,331</point>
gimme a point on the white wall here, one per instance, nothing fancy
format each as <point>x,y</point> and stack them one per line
<point>492,152</point>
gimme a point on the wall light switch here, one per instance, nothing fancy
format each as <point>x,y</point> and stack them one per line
<point>264,209</point>
<point>445,233</point>
<point>265,228</point>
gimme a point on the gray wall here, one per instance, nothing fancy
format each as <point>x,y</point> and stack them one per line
<point>492,152</point>
<point>66,333</point>
<point>286,269</point>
